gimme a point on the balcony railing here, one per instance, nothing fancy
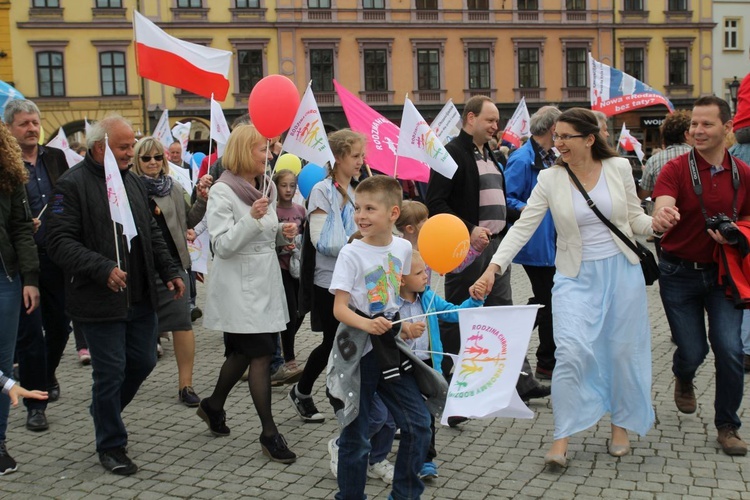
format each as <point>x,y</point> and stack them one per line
<point>377,97</point>
<point>319,14</point>
<point>373,15</point>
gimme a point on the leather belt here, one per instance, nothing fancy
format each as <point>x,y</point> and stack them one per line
<point>697,266</point>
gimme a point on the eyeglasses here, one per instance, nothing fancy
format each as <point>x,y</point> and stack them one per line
<point>147,158</point>
<point>566,137</point>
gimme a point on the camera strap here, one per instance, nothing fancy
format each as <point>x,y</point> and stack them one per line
<point>698,187</point>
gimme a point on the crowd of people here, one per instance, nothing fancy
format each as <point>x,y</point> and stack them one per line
<point>565,206</point>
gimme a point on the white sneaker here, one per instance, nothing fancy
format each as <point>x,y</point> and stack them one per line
<point>381,470</point>
<point>333,449</point>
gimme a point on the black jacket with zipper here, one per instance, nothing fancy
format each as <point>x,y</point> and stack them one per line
<point>17,247</point>
<point>80,239</point>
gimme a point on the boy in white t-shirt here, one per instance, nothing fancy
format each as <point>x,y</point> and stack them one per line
<point>366,284</point>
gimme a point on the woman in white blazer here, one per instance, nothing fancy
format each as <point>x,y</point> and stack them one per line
<point>599,305</point>
<point>245,296</point>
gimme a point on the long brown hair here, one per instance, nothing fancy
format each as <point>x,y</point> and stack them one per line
<point>584,122</point>
<point>12,171</point>
<point>341,142</point>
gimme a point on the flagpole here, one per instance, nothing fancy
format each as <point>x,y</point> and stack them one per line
<point>432,314</point>
<point>395,165</point>
<point>210,141</point>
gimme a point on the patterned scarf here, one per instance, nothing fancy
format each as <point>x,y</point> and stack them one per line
<point>246,191</point>
<point>159,187</point>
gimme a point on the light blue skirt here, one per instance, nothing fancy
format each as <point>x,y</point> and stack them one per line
<point>603,351</point>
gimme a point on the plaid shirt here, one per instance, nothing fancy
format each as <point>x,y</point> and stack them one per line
<point>657,161</point>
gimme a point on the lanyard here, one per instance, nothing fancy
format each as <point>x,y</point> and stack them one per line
<point>698,188</point>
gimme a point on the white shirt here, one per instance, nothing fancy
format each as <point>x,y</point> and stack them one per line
<point>596,238</point>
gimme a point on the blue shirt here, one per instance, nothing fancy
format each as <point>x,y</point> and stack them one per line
<point>38,190</point>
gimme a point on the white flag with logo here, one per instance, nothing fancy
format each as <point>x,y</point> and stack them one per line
<point>200,248</point>
<point>181,175</point>
<point>630,143</point>
<point>307,137</point>
<point>162,132</point>
<point>494,341</point>
<point>447,124</point>
<point>181,132</point>
<point>418,141</point>
<point>60,141</point>
<point>219,128</point>
<point>518,125</point>
<point>119,206</point>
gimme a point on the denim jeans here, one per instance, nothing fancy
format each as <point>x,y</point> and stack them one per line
<point>686,294</point>
<point>403,400</point>
<point>381,429</point>
<point>10,304</point>
<point>123,353</point>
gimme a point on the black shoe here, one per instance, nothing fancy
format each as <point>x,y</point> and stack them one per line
<point>7,464</point>
<point>36,420</point>
<point>188,397</point>
<point>117,462</point>
<point>276,449</point>
<point>216,420</point>
<point>540,391</point>
<point>195,314</point>
<point>454,421</point>
<point>305,407</point>
<point>53,391</point>
<point>746,362</point>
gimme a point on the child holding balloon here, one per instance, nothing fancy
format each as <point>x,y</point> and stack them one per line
<point>366,282</point>
<point>288,211</point>
<point>419,299</point>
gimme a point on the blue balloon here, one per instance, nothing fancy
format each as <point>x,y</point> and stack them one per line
<point>198,158</point>
<point>310,175</point>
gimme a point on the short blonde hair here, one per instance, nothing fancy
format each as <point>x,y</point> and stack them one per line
<point>238,153</point>
<point>149,146</point>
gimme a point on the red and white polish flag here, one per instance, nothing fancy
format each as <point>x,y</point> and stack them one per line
<point>187,66</point>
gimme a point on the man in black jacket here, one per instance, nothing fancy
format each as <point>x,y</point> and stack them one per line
<point>38,350</point>
<point>476,195</point>
<point>110,291</point>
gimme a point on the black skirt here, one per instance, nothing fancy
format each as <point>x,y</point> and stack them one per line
<point>252,345</point>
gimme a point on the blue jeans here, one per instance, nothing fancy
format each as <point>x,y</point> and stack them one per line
<point>404,401</point>
<point>746,331</point>
<point>10,304</point>
<point>123,353</point>
<point>381,429</point>
<point>686,294</point>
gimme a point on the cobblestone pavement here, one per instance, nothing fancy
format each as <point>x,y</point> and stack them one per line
<point>498,458</point>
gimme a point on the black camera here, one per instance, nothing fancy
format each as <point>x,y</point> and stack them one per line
<point>723,225</point>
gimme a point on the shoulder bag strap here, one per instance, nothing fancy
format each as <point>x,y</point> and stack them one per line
<point>606,221</point>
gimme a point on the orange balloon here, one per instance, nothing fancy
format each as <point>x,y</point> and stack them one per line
<point>443,242</point>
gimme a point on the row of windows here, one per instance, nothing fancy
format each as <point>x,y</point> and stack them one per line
<point>628,5</point>
<point>113,76</point>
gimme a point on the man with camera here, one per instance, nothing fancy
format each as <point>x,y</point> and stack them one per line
<point>698,197</point>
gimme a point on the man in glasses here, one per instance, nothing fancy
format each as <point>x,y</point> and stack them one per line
<point>111,288</point>
<point>38,356</point>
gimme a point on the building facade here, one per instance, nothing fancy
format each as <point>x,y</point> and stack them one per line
<point>731,42</point>
<point>381,50</point>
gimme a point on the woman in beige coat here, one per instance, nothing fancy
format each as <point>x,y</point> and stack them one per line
<point>599,305</point>
<point>245,292</point>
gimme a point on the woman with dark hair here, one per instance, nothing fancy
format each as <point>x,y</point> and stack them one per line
<point>19,268</point>
<point>599,308</point>
<point>171,208</point>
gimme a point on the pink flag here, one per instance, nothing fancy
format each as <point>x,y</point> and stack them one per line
<point>171,61</point>
<point>382,138</point>
<point>518,125</point>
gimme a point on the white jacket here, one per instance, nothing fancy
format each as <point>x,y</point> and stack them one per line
<point>553,192</point>
<point>245,291</point>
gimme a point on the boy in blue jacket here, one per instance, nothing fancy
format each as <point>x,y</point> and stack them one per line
<point>417,299</point>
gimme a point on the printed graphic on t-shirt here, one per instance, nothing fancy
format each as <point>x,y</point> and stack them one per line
<point>382,284</point>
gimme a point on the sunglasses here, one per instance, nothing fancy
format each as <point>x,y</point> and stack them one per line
<point>147,158</point>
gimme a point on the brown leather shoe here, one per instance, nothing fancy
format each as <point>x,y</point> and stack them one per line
<point>684,396</point>
<point>731,442</point>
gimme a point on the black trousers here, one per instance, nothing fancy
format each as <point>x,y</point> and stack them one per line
<point>542,279</point>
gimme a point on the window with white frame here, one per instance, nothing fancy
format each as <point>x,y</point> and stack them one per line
<point>113,75</point>
<point>732,33</point>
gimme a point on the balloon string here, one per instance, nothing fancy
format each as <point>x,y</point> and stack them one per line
<point>266,184</point>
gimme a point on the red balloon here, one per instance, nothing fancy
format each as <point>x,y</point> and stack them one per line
<point>273,104</point>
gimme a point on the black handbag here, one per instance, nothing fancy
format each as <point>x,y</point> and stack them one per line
<point>649,265</point>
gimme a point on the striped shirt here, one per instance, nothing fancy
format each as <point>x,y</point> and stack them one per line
<point>654,164</point>
<point>492,209</point>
